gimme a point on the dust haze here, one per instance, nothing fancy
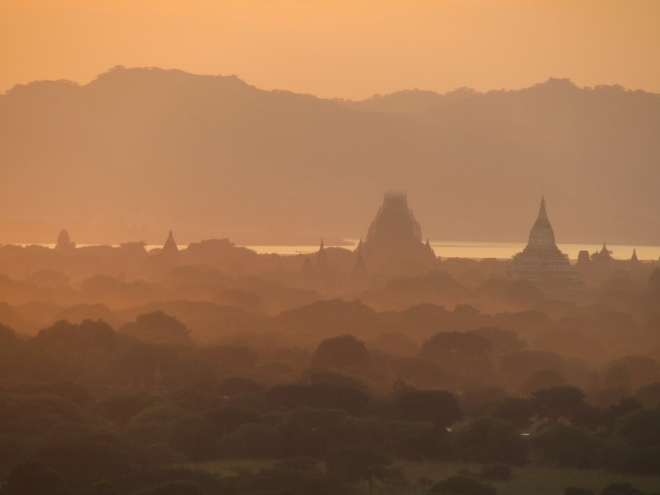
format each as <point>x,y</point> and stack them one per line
<point>336,369</point>
<point>138,151</point>
<point>145,350</point>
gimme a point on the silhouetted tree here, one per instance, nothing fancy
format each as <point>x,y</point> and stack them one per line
<point>518,411</point>
<point>490,440</point>
<point>235,385</point>
<point>121,406</point>
<point>558,402</point>
<point>311,432</point>
<point>640,428</point>
<point>251,440</point>
<point>566,446</point>
<point>157,327</point>
<point>183,430</point>
<point>415,440</point>
<point>359,464</point>
<point>445,344</point>
<point>522,364</point>
<point>502,341</point>
<point>341,352</point>
<point>437,406</point>
<point>83,336</point>
<point>541,379</point>
<point>319,396</point>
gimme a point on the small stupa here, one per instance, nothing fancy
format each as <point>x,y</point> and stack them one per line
<point>170,246</point>
<point>64,242</point>
<point>634,258</point>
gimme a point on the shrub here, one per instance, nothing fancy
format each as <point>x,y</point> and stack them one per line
<point>566,446</point>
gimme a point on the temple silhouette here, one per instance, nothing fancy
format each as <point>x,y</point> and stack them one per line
<point>541,262</point>
<point>394,240</point>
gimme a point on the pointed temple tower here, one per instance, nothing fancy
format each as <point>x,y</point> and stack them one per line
<point>634,257</point>
<point>170,246</point>
<point>541,262</point>
<point>394,240</point>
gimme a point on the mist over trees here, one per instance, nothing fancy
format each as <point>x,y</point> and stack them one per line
<point>119,365</point>
<point>210,369</point>
<point>195,144</point>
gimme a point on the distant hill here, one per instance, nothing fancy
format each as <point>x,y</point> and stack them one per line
<point>407,101</point>
<point>137,152</point>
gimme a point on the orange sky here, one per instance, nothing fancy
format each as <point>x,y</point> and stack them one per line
<point>339,48</point>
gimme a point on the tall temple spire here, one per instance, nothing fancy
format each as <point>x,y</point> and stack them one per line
<point>542,233</point>
<point>170,245</point>
<point>634,256</point>
<point>541,261</point>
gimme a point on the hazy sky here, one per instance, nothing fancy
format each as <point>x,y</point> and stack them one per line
<point>339,48</point>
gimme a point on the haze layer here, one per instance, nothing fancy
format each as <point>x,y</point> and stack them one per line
<point>211,154</point>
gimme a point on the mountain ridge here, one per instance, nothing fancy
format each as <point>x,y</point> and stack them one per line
<point>167,149</point>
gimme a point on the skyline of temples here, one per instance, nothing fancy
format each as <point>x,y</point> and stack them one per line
<point>394,228</point>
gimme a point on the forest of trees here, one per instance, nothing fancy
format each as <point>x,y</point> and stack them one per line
<point>125,372</point>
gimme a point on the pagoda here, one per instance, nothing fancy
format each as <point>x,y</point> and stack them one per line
<point>170,246</point>
<point>64,242</point>
<point>541,262</point>
<point>394,240</point>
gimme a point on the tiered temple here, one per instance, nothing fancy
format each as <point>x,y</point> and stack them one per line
<point>541,262</point>
<point>394,240</point>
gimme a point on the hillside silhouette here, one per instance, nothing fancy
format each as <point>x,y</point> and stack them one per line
<point>142,148</point>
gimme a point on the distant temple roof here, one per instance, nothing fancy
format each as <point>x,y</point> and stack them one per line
<point>394,240</point>
<point>394,224</point>
<point>64,241</point>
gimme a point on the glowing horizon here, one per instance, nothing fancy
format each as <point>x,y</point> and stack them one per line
<point>339,49</point>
